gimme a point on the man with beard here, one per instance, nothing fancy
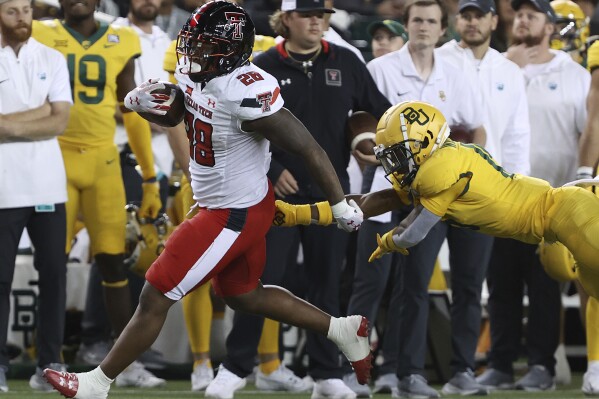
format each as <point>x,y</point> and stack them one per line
<point>508,141</point>
<point>556,88</point>
<point>35,99</point>
<point>96,339</point>
<point>101,64</point>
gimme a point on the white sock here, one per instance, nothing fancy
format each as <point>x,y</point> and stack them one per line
<point>593,365</point>
<point>334,329</point>
<point>98,375</point>
<point>93,385</point>
<point>343,334</point>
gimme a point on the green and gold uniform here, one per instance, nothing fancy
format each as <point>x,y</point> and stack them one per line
<point>462,184</point>
<point>92,163</point>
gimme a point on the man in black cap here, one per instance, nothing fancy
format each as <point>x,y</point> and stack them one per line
<point>537,22</point>
<point>505,104</point>
<point>305,6</point>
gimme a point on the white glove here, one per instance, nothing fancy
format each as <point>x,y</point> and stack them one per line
<point>141,99</point>
<point>349,216</point>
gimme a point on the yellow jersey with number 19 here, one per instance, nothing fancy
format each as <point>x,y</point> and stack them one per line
<point>94,63</point>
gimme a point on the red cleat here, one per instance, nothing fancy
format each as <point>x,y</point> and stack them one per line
<point>64,382</point>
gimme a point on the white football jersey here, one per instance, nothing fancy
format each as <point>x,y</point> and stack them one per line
<point>228,166</point>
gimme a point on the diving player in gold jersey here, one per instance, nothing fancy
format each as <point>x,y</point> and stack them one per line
<point>100,59</point>
<point>461,183</point>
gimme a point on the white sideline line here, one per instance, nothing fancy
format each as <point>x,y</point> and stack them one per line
<point>162,392</point>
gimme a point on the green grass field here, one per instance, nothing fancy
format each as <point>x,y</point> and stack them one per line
<point>180,389</point>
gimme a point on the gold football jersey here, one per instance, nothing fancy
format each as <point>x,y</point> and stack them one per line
<point>94,63</point>
<point>261,44</point>
<point>463,184</point>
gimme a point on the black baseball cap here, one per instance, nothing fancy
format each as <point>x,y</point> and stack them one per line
<point>486,6</point>
<point>305,5</point>
<point>394,27</point>
<point>541,5</point>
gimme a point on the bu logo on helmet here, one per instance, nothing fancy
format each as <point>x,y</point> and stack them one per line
<point>419,116</point>
<point>236,19</point>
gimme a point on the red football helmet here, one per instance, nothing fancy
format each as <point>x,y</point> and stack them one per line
<point>217,38</point>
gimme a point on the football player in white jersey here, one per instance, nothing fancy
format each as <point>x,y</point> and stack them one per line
<point>233,110</point>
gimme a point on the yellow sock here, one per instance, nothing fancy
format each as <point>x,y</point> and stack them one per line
<point>269,343</point>
<point>196,363</point>
<point>592,329</point>
<point>438,282</point>
<point>197,311</point>
<point>269,340</point>
<point>270,367</point>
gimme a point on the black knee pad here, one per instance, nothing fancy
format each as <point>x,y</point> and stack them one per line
<point>112,267</point>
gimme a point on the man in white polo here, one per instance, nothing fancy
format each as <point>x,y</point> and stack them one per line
<point>556,88</point>
<point>35,98</point>
<point>501,83</point>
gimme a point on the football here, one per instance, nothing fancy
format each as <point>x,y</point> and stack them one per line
<point>461,134</point>
<point>175,114</point>
<point>361,128</point>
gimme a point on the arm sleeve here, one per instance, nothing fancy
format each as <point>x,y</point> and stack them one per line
<point>417,230</point>
<point>515,141</point>
<point>140,140</point>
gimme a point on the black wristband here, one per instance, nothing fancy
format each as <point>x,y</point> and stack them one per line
<point>151,180</point>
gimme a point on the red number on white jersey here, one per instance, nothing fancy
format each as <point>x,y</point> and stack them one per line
<point>249,78</point>
<point>199,134</point>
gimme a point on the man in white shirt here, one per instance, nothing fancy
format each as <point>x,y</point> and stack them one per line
<point>35,98</point>
<point>418,72</point>
<point>501,83</point>
<point>556,88</point>
<point>507,126</point>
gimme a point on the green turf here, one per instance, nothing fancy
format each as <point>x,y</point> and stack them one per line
<point>180,389</point>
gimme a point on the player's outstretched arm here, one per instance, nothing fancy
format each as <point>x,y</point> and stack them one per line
<point>371,204</point>
<point>287,132</point>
